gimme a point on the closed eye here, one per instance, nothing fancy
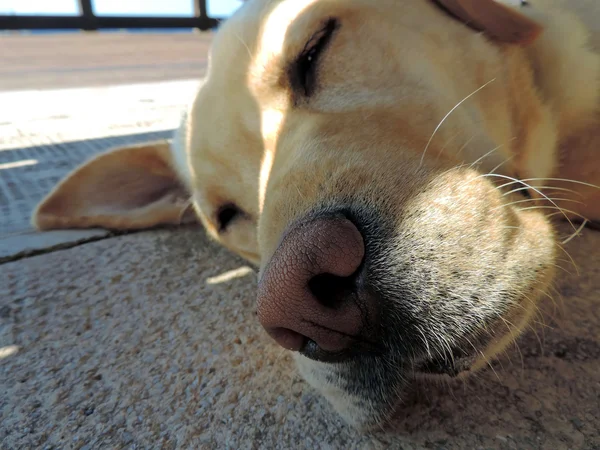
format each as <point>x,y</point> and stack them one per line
<point>303,73</point>
<point>226,215</point>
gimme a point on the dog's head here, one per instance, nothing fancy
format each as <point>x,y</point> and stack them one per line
<point>349,149</point>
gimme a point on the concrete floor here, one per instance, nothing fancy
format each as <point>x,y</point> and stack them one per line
<point>149,340</point>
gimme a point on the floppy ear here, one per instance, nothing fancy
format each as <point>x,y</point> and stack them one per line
<point>126,188</point>
<point>498,21</point>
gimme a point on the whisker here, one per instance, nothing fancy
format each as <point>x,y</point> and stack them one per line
<point>429,354</point>
<point>563,260</point>
<point>556,306</point>
<point>465,164</point>
<point>516,202</point>
<point>448,115</point>
<point>485,358</point>
<point>501,164</point>
<point>465,144</point>
<point>561,268</point>
<point>576,233</point>
<point>560,210</point>
<point>566,180</point>
<point>570,258</point>
<point>485,156</point>
<point>561,300</point>
<point>539,187</point>
<point>534,189</point>
<point>514,339</point>
<point>239,38</point>
<point>447,143</point>
<point>539,314</point>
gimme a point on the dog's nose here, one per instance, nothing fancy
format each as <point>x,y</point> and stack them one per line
<point>308,291</point>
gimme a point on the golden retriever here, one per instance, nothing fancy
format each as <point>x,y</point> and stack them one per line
<point>392,167</point>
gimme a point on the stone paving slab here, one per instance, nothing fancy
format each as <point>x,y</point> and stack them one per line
<point>150,341</point>
<point>24,244</point>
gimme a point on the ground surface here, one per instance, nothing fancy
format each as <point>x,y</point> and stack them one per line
<point>149,340</point>
<point>67,97</point>
<point>95,59</point>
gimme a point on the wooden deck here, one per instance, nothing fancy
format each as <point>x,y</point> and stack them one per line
<point>51,61</point>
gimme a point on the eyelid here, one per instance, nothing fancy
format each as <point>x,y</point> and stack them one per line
<point>312,50</point>
<point>226,214</point>
<point>315,39</point>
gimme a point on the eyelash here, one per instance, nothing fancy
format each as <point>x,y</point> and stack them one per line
<point>305,64</point>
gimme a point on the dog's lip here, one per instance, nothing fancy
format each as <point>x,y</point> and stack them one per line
<point>363,347</point>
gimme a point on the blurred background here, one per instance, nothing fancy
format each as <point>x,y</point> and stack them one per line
<point>175,8</point>
<point>78,77</point>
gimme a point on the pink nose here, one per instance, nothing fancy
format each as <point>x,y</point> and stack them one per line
<point>308,291</point>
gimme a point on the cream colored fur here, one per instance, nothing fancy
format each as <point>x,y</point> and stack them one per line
<point>417,118</point>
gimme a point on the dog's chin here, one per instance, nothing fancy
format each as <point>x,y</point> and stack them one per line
<point>367,390</point>
<point>373,406</point>
<point>363,396</point>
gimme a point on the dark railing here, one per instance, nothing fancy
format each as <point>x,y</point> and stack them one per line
<point>88,21</point>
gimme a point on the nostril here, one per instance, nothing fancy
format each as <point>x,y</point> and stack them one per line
<point>331,290</point>
<point>309,295</point>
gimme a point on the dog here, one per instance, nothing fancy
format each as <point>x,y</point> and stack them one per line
<point>393,168</point>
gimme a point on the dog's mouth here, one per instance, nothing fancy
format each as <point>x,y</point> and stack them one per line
<point>360,347</point>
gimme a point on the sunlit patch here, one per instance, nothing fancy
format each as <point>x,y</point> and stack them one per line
<point>274,32</point>
<point>22,163</point>
<point>230,275</point>
<point>10,350</point>
<point>271,121</point>
<point>265,171</point>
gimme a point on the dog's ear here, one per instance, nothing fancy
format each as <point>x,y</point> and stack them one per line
<point>127,188</point>
<point>498,21</point>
